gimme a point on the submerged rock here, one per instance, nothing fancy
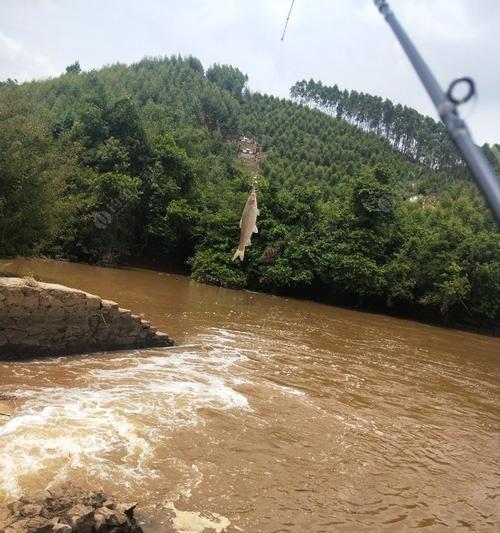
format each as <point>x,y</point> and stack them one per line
<point>68,509</point>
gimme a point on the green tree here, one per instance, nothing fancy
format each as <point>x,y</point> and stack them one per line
<point>32,173</point>
<point>228,78</point>
<point>374,200</point>
<point>452,289</point>
<point>105,218</point>
<point>74,68</point>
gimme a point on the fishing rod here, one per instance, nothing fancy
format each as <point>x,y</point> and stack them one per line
<point>446,105</point>
<point>287,19</point>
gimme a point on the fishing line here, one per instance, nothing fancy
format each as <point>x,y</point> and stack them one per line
<point>287,19</point>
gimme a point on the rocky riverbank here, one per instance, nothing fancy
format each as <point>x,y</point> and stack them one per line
<point>38,319</point>
<point>68,509</point>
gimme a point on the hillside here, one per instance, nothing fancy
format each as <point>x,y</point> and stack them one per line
<point>141,163</point>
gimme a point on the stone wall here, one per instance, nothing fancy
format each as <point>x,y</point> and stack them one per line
<point>39,319</point>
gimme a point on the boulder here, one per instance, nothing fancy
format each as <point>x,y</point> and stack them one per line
<point>68,508</point>
<point>81,518</point>
<point>31,509</point>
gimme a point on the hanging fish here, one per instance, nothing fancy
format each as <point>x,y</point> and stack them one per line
<point>248,224</point>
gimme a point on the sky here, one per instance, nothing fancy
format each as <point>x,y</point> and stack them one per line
<point>346,42</point>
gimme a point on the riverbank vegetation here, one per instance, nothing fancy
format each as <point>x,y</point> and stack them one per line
<point>362,201</point>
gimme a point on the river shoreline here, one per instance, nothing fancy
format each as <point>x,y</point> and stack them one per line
<point>423,315</point>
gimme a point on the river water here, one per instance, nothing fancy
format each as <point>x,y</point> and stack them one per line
<point>271,414</point>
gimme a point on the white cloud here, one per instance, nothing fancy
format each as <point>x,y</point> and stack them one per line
<point>17,62</point>
<point>9,46</point>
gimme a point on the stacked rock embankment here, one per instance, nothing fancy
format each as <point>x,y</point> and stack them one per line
<point>68,509</point>
<point>38,319</point>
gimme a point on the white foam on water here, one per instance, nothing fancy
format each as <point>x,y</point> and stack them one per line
<point>116,415</point>
<point>194,522</point>
<point>194,480</point>
<point>77,431</point>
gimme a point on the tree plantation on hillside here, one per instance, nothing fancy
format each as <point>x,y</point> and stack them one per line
<point>362,201</point>
<point>419,137</point>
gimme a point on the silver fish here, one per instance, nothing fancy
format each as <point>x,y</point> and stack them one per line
<point>248,225</point>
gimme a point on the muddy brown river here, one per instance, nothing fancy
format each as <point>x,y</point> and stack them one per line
<point>271,414</point>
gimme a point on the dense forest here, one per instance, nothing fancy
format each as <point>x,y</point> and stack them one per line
<point>363,202</point>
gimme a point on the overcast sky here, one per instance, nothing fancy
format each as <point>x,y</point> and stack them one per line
<point>337,41</point>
